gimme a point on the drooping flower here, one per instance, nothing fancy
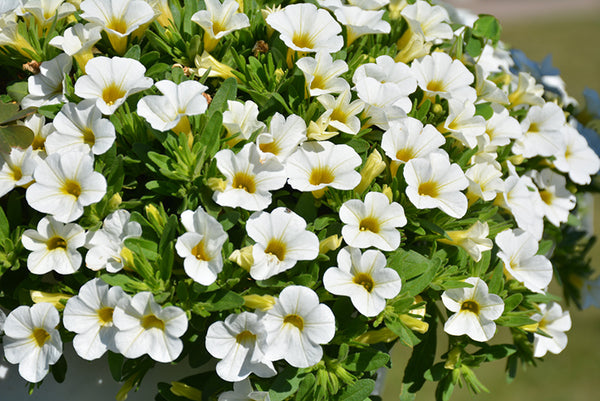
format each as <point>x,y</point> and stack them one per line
<point>281,240</point>
<point>554,322</point>
<point>218,20</point>
<point>474,310</point>
<point>54,247</point>
<point>49,86</point>
<point>240,343</point>
<point>77,41</point>
<point>201,246</point>
<point>144,327</point>
<point>364,278</point>
<point>32,340</point>
<point>90,314</point>
<point>474,240</point>
<point>16,169</point>
<point>296,326</point>
<point>373,222</point>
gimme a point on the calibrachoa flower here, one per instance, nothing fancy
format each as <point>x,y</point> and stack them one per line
<point>144,327</point>
<point>281,240</point>
<point>219,20</point>
<point>49,86</point>
<point>16,169</point>
<point>32,340</point>
<point>242,391</point>
<point>364,278</point>
<point>296,325</point>
<point>54,247</point>
<point>240,342</point>
<point>474,310</point>
<point>554,322</point>
<point>64,184</point>
<point>90,315</point>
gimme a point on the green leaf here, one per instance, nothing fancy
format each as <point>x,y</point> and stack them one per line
<point>487,27</point>
<point>420,361</point>
<point>126,282</point>
<point>306,388</point>
<point>474,47</point>
<point>115,364</point>
<point>484,110</point>
<point>211,135</point>
<point>405,334</point>
<point>415,270</point>
<point>148,248</point>
<point>496,352</point>
<point>512,302</point>
<point>514,319</point>
<point>286,383</point>
<point>223,300</point>
<point>366,360</point>
<point>4,225</point>
<point>166,249</point>
<point>134,52</point>
<point>227,91</point>
<point>358,391</point>
<point>7,110</point>
<point>15,136</point>
<point>18,90</point>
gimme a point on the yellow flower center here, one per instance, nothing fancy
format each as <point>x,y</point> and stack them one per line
<point>112,93</point>
<point>200,252</point>
<point>152,322</point>
<point>56,242</point>
<point>244,181</point>
<point>71,187</point>
<point>117,25</point>
<point>38,143</point>
<point>428,188</point>
<point>270,147</point>
<point>218,27</point>
<point>16,173</point>
<point>365,280</point>
<point>294,320</point>
<point>40,336</point>
<point>105,315</point>
<point>369,224</point>
<point>405,155</point>
<point>88,137</point>
<point>470,306</point>
<point>321,175</point>
<point>435,86</point>
<point>245,338</point>
<point>533,127</point>
<point>303,40</point>
<point>277,248</point>
<point>547,197</point>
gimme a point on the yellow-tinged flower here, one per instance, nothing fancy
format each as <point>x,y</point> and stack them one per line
<point>53,298</point>
<point>371,170</point>
<point>262,302</point>
<point>330,243</point>
<point>218,20</point>
<point>473,240</point>
<point>243,257</point>
<point>383,335</point>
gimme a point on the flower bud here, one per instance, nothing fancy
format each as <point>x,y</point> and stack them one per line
<point>372,168</point>
<point>51,298</point>
<point>330,243</point>
<point>262,302</point>
<point>243,257</point>
<point>205,61</point>
<point>183,390</point>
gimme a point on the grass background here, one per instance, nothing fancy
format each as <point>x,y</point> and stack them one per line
<point>573,40</point>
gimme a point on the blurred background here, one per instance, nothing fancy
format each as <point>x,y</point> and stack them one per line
<point>570,32</point>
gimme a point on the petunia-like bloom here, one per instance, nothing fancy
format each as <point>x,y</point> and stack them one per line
<point>554,322</point>
<point>241,119</point>
<point>219,20</point>
<point>433,20</point>
<point>284,136</point>
<point>44,11</point>
<point>364,278</point>
<point>49,86</point>
<point>322,74</point>
<point>462,123</point>
<point>485,181</point>
<point>317,165</point>
<point>110,80</point>
<point>64,184</point>
<point>90,314</point>
<point>359,22</point>
<point>37,124</point>
<point>281,240</point>
<point>382,104</point>
<point>242,391</point>
<point>474,310</point>
<point>16,169</point>
<point>474,240</point>
<point>106,244</point>
<point>557,200</point>
<point>518,251</point>
<point>304,28</point>
<point>77,41</point>
<point>343,114</point>
<point>32,340</point>
<point>177,102</point>
<point>54,247</point>
<point>118,18</point>
<point>81,128</point>
<point>372,222</point>
<point>201,246</point>
<point>249,178</point>
<point>541,131</point>
<point>435,183</point>
<point>146,328</point>
<point>296,325</point>
<point>240,343</point>
<point>501,128</point>
<point>439,74</point>
<point>576,157</point>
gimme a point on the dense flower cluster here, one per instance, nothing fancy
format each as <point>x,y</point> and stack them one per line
<point>281,192</point>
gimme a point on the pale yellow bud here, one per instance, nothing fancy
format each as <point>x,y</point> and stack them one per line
<point>372,168</point>
<point>154,215</point>
<point>414,324</point>
<point>395,7</point>
<point>205,61</point>
<point>262,302</point>
<point>330,244</point>
<point>453,357</point>
<point>183,390</point>
<point>383,335</point>
<point>115,201</point>
<point>532,328</point>
<point>53,298</point>
<point>516,159</point>
<point>217,184</point>
<point>243,257</point>
<point>127,258</point>
<point>387,191</point>
<point>412,44</point>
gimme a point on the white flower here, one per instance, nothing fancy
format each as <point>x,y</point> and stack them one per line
<point>242,391</point>
<point>432,19</point>
<point>317,165</point>
<point>90,314</point>
<point>16,169</point>
<point>528,91</point>
<point>462,123</point>
<point>438,74</point>
<point>110,80</point>
<point>41,130</point>
<point>474,240</point>
<point>31,340</point>
<point>382,103</point>
<point>554,322</point>
<point>248,178</point>
<point>475,310</point>
<point>64,184</point>
<point>342,114</point>
<point>219,20</point>
<point>165,112</point>
<point>359,22</point>
<point>241,118</point>
<point>240,342</point>
<point>435,183</point>
<point>105,245</point>
<point>541,131</point>
<point>518,251</point>
<point>557,201</point>
<point>54,247</point>
<point>304,28</point>
<point>372,222</point>
<point>201,246</point>
<point>146,328</point>
<point>44,11</point>
<point>575,157</point>
<point>284,136</point>
<point>281,240</point>
<point>501,127</point>
<point>322,74</point>
<point>78,39</point>
<point>49,86</point>
<point>364,278</point>
<point>485,181</point>
<point>296,325</point>
<point>81,128</point>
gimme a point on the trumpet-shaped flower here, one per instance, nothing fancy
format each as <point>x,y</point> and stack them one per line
<point>322,74</point>
<point>576,157</point>
<point>501,128</point>
<point>201,246</point>
<point>242,119</point>
<point>373,222</point>
<point>485,181</point>
<point>249,178</point>
<point>557,201</point>
<point>178,101</point>
<point>435,183</point>
<point>284,136</point>
<point>49,86</point>
<point>54,247</point>
<point>342,114</point>
<point>541,131</point>
<point>16,169</point>
<point>81,128</point>
<point>475,310</point>
<point>77,41</point>
<point>518,251</point>
<point>462,123</point>
<point>37,124</point>
<point>304,28</point>
<point>317,165</point>
<point>432,19</point>
<point>281,240</point>
<point>64,184</point>
<point>438,74</point>
<point>382,104</point>
<point>109,81</point>
<point>44,11</point>
<point>146,328</point>
<point>218,20</point>
<point>364,278</point>
<point>528,91</point>
<point>296,325</point>
<point>106,244</point>
<point>359,22</point>
<point>90,315</point>
<point>474,240</point>
<point>554,322</point>
<point>240,342</point>
<point>32,340</point>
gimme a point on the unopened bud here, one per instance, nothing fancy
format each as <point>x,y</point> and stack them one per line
<point>53,298</point>
<point>217,184</point>
<point>243,257</point>
<point>262,302</point>
<point>372,168</point>
<point>183,390</point>
<point>330,244</point>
